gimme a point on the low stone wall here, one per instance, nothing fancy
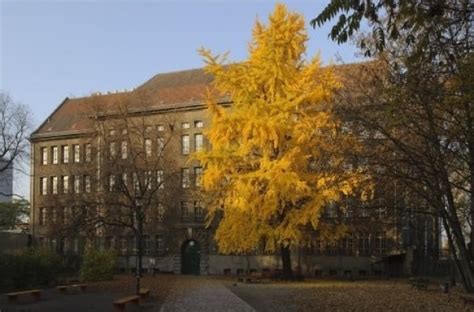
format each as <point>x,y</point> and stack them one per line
<point>334,266</point>
<point>309,265</point>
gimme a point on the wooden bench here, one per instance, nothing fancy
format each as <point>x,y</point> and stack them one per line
<point>419,283</point>
<point>468,299</point>
<point>251,278</point>
<point>144,292</point>
<point>63,288</point>
<point>119,305</point>
<point>35,293</point>
<point>256,276</point>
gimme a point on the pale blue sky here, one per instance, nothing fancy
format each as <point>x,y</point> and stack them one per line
<point>53,49</point>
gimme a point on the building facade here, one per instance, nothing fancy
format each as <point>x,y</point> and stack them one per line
<point>93,155</point>
<point>6,182</point>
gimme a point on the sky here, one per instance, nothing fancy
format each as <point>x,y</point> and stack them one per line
<point>50,50</point>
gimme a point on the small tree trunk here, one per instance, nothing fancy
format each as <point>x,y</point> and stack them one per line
<point>286,261</point>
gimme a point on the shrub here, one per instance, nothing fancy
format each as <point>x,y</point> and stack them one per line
<point>34,267</point>
<point>98,265</point>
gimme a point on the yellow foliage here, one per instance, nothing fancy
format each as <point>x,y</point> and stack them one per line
<point>276,158</point>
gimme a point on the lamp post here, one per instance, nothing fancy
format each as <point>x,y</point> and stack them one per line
<point>138,236</point>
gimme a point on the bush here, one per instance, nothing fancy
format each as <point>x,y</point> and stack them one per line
<point>98,265</point>
<point>34,267</point>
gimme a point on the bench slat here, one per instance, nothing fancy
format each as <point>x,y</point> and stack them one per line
<point>34,291</point>
<point>127,299</point>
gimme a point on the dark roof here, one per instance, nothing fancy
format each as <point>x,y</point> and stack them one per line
<point>174,90</point>
<point>164,91</point>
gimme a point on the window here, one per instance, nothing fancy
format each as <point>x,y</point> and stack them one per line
<point>88,149</point>
<point>148,128</point>
<point>77,153</point>
<point>42,216</point>
<point>198,211</point>
<point>132,248</point>
<point>77,184</point>
<point>146,245</point>
<point>65,182</point>
<point>65,154</point>
<point>331,247</point>
<point>160,182</point>
<point>54,244</point>
<point>123,245</point>
<point>160,128</point>
<point>55,155</point>
<point>136,182</point>
<point>160,144</point>
<point>112,150</point>
<point>364,211</point>
<point>347,244</point>
<point>197,176</point>
<point>348,210</point>
<point>109,242</point>
<point>111,182</point>
<point>185,177</point>
<point>66,244</point>
<point>44,186</point>
<point>123,181</point>
<point>54,185</point>
<point>381,212</point>
<point>112,132</point>
<point>65,215</point>
<point>159,245</point>
<point>160,213</point>
<point>124,131</point>
<point>185,144</point>
<point>198,124</point>
<point>364,244</point>
<point>380,243</point>
<point>87,183</point>
<point>198,142</point>
<point>148,147</point>
<point>44,155</point>
<point>319,246</point>
<point>73,212</point>
<point>124,149</point>
<point>186,212</point>
<point>331,211</point>
<point>54,217</point>
<point>146,215</point>
<point>148,179</point>
<point>185,125</point>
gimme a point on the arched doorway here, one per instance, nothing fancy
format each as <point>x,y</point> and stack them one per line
<point>190,257</point>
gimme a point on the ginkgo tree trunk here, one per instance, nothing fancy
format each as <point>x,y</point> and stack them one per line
<point>276,156</point>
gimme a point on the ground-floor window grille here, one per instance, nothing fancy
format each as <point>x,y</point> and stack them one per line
<point>159,245</point>
<point>364,244</point>
<point>123,245</point>
<point>380,243</point>
<point>146,245</point>
<point>109,242</point>
<point>347,244</point>
<point>332,248</point>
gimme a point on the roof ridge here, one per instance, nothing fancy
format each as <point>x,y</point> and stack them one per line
<point>171,72</point>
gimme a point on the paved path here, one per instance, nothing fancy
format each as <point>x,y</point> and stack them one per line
<point>204,294</point>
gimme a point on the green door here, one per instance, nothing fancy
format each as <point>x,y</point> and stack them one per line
<point>191,258</point>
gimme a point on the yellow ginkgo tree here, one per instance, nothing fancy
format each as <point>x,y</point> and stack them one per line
<point>276,156</point>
